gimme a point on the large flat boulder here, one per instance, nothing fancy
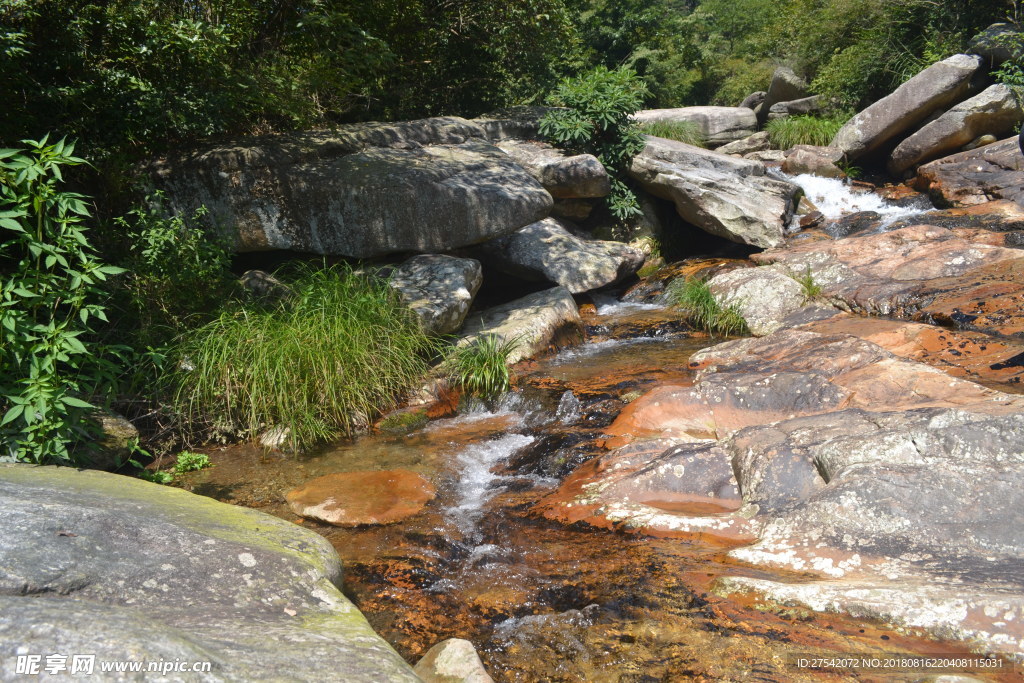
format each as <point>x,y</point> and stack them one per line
<point>438,288</point>
<point>994,111</point>
<point>127,570</point>
<point>360,191</point>
<point>536,322</point>
<point>717,125</point>
<point>722,195</point>
<point>580,176</point>
<point>547,250</point>
<point>977,176</point>
<point>934,89</point>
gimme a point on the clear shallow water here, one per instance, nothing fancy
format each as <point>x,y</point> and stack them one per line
<point>542,601</point>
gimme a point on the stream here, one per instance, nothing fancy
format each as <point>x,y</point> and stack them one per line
<point>541,600</point>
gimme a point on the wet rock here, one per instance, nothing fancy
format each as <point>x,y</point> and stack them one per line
<point>566,177</point>
<point>717,125</point>
<point>758,142</point>
<point>854,223</point>
<point>439,289</point>
<point>452,661</point>
<point>547,250</point>
<point>724,196</point>
<point>977,176</point>
<point>994,111</point>
<point>128,570</point>
<point>891,273</point>
<point>538,322</point>
<point>936,88</point>
<point>998,216</point>
<point>819,161</point>
<point>763,296</point>
<point>350,499</point>
<point>986,299</point>
<point>361,191</point>
<point>800,107</point>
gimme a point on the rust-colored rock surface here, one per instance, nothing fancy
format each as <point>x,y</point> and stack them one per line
<point>980,175</point>
<point>354,498</point>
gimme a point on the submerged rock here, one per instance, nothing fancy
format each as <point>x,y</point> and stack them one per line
<point>128,570</point>
<point>547,250</point>
<point>439,289</point>
<point>936,88</point>
<point>356,498</point>
<point>361,191</point>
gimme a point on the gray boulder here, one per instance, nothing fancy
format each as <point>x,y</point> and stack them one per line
<point>752,100</point>
<point>536,322</point>
<point>991,44</point>
<point>452,661</point>
<point>722,195</point>
<point>758,142</point>
<point>566,177</point>
<point>819,161</point>
<point>977,176</point>
<point>805,105</point>
<point>361,191</point>
<point>98,563</point>
<point>936,88</point>
<point>786,86</point>
<point>439,289</point>
<point>995,111</point>
<point>718,125</point>
<point>519,122</point>
<point>763,296</point>
<point>547,250</point>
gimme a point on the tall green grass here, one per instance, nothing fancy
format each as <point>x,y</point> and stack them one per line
<point>804,130</point>
<point>481,368</point>
<point>321,364</point>
<point>683,131</point>
<point>702,311</point>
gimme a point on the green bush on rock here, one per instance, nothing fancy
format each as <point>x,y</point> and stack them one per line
<point>595,119</point>
<point>320,364</point>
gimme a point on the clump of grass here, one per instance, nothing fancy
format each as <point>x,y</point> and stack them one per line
<point>702,311</point>
<point>804,130</point>
<point>481,368</point>
<point>319,364</point>
<point>683,131</point>
<point>806,280</point>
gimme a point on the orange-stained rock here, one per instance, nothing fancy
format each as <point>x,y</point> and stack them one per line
<point>354,498</point>
<point>980,175</point>
<point>988,299</point>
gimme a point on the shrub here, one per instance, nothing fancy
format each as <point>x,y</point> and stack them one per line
<point>191,462</point>
<point>481,368</point>
<point>806,279</point>
<point>683,131</point>
<point>804,130</point>
<point>50,299</point>
<point>596,119</point>
<point>701,309</point>
<point>319,364</point>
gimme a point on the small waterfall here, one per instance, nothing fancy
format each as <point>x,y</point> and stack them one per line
<point>568,410</point>
<point>835,199</point>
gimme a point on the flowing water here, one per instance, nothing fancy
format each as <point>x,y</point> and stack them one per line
<point>835,199</point>
<point>540,600</point>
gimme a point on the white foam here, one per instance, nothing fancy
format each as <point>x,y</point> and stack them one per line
<point>835,199</point>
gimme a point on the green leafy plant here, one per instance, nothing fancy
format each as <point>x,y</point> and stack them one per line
<point>596,119</point>
<point>319,364</point>
<point>155,476</point>
<point>191,462</point>
<point>683,131</point>
<point>804,130</point>
<point>703,311</point>
<point>1011,72</point>
<point>50,299</point>
<point>481,367</point>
